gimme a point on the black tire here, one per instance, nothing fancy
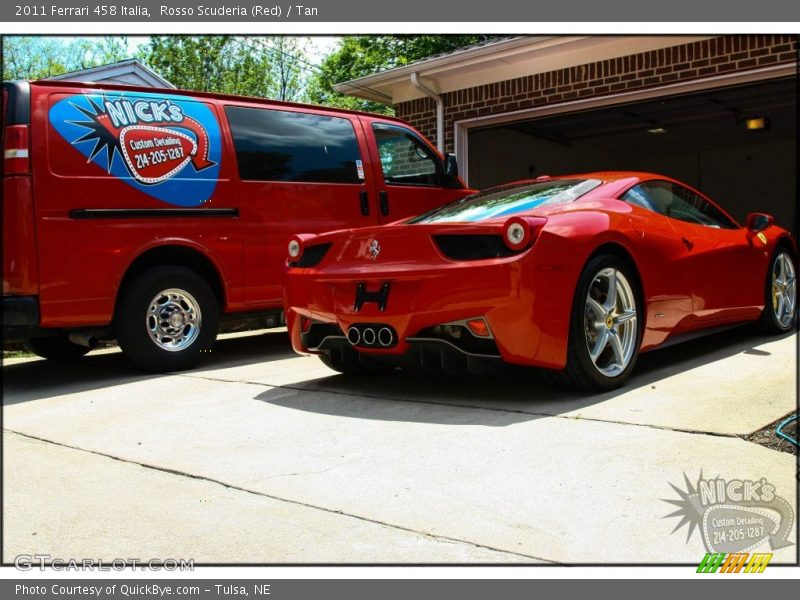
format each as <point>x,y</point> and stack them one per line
<point>347,361</point>
<point>131,322</point>
<point>580,372</point>
<point>56,347</point>
<point>768,322</point>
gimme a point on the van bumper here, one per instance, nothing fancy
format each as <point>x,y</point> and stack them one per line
<point>20,315</point>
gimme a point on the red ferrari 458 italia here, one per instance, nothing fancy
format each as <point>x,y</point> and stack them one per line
<point>576,275</point>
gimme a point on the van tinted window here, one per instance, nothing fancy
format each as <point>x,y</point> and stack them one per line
<point>405,160</point>
<point>277,145</point>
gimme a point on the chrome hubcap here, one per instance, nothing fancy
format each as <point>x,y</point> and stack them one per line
<point>784,290</point>
<point>173,320</point>
<point>610,322</point>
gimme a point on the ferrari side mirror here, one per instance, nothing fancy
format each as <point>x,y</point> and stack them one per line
<point>759,221</point>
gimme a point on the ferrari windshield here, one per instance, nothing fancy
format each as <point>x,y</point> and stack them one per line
<point>509,200</point>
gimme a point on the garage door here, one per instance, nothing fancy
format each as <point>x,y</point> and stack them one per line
<point>737,144</point>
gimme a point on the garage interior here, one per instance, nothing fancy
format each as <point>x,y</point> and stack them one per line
<point>712,140</point>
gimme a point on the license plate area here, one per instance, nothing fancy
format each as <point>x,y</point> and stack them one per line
<point>364,295</point>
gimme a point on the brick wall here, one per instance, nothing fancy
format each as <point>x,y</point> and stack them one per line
<point>647,69</point>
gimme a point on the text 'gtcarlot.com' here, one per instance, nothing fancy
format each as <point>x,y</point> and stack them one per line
<point>27,562</point>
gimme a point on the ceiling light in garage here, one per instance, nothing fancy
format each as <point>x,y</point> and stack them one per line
<point>757,123</point>
<point>657,130</point>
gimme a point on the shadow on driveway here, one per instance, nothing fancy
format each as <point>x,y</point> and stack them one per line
<point>518,394</point>
<point>508,397</point>
<point>39,379</point>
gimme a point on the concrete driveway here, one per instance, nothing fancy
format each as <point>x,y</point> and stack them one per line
<point>261,456</point>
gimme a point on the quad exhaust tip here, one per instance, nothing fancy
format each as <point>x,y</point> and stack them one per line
<point>353,336</point>
<point>371,337</point>
<point>385,337</point>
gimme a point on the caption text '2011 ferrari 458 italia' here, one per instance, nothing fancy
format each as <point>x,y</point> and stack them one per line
<point>576,275</point>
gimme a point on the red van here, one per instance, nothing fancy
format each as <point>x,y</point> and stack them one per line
<point>152,216</point>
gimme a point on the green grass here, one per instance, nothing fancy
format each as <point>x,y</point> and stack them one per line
<point>17,354</point>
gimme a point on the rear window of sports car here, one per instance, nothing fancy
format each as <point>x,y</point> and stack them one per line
<point>509,200</point>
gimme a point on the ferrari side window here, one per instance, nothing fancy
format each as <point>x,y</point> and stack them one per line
<point>639,196</point>
<point>677,202</point>
<point>698,209</point>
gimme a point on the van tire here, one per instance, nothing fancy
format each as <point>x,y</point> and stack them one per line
<point>143,326</point>
<point>55,347</point>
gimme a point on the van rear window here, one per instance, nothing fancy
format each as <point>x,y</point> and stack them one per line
<point>278,145</point>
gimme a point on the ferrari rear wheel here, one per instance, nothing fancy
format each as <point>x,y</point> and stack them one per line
<point>780,305</point>
<point>609,322</point>
<point>605,332</point>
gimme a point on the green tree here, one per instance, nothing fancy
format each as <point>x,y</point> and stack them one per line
<point>267,67</point>
<point>32,57</point>
<point>288,68</point>
<point>360,55</point>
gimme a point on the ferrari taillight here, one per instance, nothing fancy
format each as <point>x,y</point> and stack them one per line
<point>520,232</point>
<point>516,234</point>
<point>16,148</point>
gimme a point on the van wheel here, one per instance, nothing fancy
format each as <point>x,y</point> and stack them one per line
<point>605,329</point>
<point>167,317</point>
<point>56,347</point>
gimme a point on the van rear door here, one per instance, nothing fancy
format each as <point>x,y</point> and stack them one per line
<point>301,170</point>
<point>19,233</point>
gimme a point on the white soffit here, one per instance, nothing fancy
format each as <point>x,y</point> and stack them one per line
<point>501,61</point>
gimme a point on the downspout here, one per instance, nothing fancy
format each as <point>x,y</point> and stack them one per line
<point>439,109</point>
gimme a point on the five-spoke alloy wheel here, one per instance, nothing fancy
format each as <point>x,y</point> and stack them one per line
<point>605,328</point>
<point>610,322</point>
<point>780,299</point>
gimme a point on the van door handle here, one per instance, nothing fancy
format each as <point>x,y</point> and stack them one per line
<point>383,197</point>
<point>364,197</point>
<point>688,243</point>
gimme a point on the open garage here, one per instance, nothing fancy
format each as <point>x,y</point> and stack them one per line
<point>737,144</point>
<point>718,112</point>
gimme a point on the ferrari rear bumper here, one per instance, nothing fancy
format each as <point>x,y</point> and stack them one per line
<point>525,305</point>
<point>428,352</point>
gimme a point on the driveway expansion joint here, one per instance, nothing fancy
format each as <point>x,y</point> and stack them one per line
<point>178,473</point>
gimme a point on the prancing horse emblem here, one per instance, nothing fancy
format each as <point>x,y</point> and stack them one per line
<point>374,249</point>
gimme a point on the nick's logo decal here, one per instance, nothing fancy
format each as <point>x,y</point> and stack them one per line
<point>168,147</point>
<point>154,154</point>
